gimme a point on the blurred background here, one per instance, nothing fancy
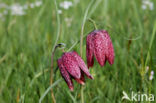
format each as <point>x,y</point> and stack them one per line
<point>28,32</point>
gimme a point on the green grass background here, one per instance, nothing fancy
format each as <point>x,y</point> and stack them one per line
<point>26,43</point>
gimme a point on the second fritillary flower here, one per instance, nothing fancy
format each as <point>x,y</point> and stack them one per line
<point>99,45</point>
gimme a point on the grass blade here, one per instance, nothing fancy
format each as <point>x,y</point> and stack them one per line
<point>48,89</point>
<point>151,42</point>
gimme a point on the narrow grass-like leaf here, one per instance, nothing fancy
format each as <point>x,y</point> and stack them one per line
<point>48,89</point>
<point>38,75</point>
<point>151,42</point>
<point>74,100</point>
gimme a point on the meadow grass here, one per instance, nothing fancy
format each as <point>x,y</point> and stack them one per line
<point>26,44</point>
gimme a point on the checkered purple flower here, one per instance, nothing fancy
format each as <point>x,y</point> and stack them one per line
<point>71,67</point>
<point>99,44</point>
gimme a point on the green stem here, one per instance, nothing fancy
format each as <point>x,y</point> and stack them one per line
<point>81,42</point>
<point>58,26</point>
<point>82,96</point>
<point>53,51</point>
<point>82,28</point>
<point>51,75</point>
<point>78,41</point>
<point>93,22</point>
<point>52,72</point>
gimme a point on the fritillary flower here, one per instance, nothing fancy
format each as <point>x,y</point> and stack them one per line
<point>71,67</point>
<point>99,44</point>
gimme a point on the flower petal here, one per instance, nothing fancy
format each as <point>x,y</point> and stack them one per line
<point>90,50</point>
<point>65,74</point>
<point>81,64</point>
<point>110,51</point>
<point>71,65</point>
<point>100,47</point>
<point>82,76</point>
<point>110,55</point>
<point>81,80</point>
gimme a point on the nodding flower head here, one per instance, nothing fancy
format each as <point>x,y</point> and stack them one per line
<point>71,67</point>
<point>99,45</point>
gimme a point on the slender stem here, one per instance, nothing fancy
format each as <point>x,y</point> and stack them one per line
<point>82,96</point>
<point>93,22</point>
<point>58,26</point>
<point>81,42</point>
<point>61,45</point>
<point>82,28</point>
<point>53,51</point>
<point>78,41</point>
<point>51,75</point>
